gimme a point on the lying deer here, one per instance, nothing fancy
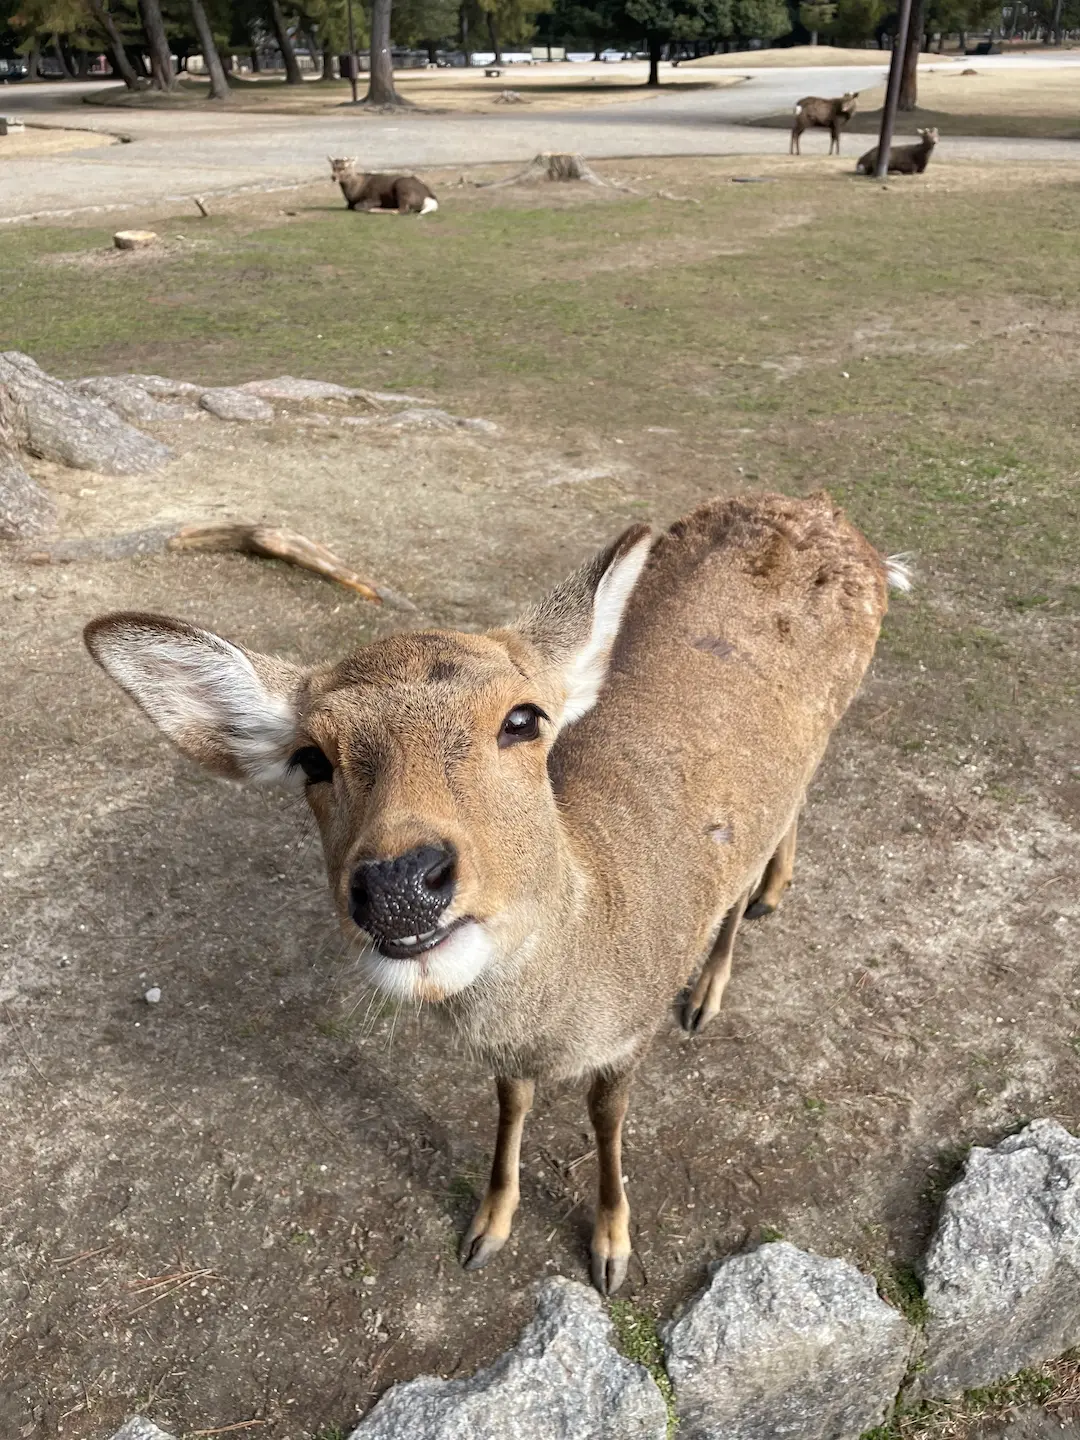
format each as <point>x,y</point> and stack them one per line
<point>814,113</point>
<point>404,194</point>
<point>903,159</point>
<point>544,828</point>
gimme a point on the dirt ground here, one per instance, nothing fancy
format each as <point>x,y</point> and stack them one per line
<point>242,1203</point>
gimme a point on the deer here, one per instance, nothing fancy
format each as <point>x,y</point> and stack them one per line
<point>903,159</point>
<point>812,112</point>
<point>548,828</point>
<point>381,194</point>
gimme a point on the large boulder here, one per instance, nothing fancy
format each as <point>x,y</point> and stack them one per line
<point>1002,1274</point>
<point>77,430</point>
<point>564,1380</point>
<point>784,1343</point>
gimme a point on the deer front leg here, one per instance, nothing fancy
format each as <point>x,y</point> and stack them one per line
<point>608,1097</point>
<point>490,1227</point>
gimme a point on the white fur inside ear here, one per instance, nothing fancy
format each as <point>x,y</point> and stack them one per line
<point>585,675</point>
<point>195,684</point>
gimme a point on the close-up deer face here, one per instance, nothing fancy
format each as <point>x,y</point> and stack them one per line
<point>423,758</point>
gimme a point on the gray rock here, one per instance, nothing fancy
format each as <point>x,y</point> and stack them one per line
<point>163,388</point>
<point>139,1429</point>
<point>76,430</point>
<point>419,420</point>
<point>1002,1274</point>
<point>128,399</point>
<point>231,404</point>
<point>784,1343</point>
<point>288,387</point>
<point>564,1380</point>
<point>25,508</point>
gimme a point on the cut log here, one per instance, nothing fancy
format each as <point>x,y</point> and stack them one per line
<point>57,423</point>
<point>134,239</point>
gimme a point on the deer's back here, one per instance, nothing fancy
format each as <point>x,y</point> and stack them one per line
<point>744,642</point>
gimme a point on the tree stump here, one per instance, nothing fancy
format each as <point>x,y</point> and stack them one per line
<point>134,239</point>
<point>554,165</point>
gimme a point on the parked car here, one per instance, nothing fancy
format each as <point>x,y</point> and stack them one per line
<point>13,73</point>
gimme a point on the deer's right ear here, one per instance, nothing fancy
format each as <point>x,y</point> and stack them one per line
<point>575,626</point>
<point>229,709</point>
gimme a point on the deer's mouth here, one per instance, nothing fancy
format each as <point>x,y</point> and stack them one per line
<point>410,947</point>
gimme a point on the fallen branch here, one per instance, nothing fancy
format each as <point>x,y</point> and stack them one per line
<point>237,537</point>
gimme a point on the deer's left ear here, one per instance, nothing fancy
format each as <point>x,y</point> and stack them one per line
<point>575,626</point>
<point>229,709</point>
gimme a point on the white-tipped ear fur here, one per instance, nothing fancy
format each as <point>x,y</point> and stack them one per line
<point>576,625</point>
<point>232,711</point>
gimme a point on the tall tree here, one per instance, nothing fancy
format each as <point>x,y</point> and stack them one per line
<point>663,21</point>
<point>162,74</point>
<point>219,85</point>
<point>293,75</point>
<point>816,17</point>
<point>381,90</point>
<point>115,41</point>
<point>909,74</point>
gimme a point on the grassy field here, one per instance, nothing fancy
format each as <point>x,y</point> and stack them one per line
<point>913,349</point>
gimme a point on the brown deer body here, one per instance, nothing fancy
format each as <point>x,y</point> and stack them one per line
<point>547,827</point>
<point>903,159</point>
<point>812,112</point>
<point>403,194</point>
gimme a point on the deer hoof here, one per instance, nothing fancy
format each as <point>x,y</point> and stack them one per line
<point>608,1272</point>
<point>477,1250</point>
<point>695,1017</point>
<point>759,909</point>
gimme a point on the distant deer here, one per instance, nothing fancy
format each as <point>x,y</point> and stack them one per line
<point>404,194</point>
<point>814,113</point>
<point>548,827</point>
<point>903,159</point>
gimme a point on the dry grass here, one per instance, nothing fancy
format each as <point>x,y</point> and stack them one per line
<point>1043,93</point>
<point>541,88</point>
<point>32,143</point>
<point>790,58</point>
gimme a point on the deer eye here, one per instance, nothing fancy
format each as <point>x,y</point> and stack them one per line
<point>522,723</point>
<point>316,767</point>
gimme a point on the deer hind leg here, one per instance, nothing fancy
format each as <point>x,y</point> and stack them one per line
<point>705,998</point>
<point>608,1097</point>
<point>795,147</point>
<point>777,877</point>
<point>490,1227</point>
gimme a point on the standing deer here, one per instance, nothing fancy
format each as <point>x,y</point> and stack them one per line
<point>388,194</point>
<point>814,113</point>
<point>903,159</point>
<point>545,828</point>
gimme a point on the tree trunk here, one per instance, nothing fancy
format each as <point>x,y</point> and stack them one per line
<point>163,77</point>
<point>909,91</point>
<point>328,53</point>
<point>33,61</point>
<point>813,37</point>
<point>66,71</point>
<point>256,63</point>
<point>656,47</point>
<point>1055,26</point>
<point>219,86</point>
<point>432,48</point>
<point>120,62</point>
<point>285,45</point>
<point>381,85</point>
<point>493,35</point>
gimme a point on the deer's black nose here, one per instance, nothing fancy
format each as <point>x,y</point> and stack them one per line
<point>402,899</point>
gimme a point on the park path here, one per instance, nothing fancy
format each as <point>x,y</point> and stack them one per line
<point>180,153</point>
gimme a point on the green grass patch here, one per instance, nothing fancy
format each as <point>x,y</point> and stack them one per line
<point>900,1286</point>
<point>638,1339</point>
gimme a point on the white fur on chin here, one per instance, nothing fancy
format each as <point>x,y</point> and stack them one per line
<point>438,973</point>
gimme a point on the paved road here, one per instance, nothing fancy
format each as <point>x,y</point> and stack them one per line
<point>177,154</point>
